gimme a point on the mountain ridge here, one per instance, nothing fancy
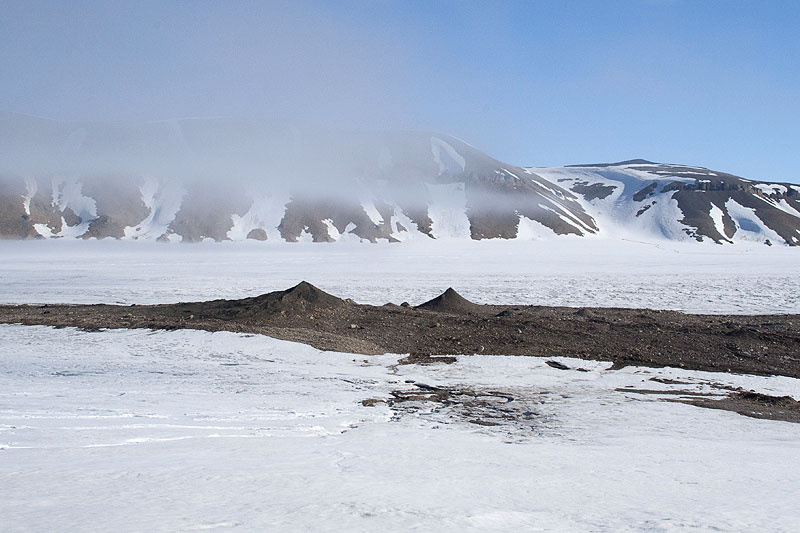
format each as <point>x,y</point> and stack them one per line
<point>229,179</point>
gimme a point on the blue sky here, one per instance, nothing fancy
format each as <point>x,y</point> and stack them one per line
<point>712,83</point>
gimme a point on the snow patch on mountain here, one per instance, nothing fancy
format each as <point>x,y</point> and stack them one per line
<point>348,236</point>
<point>662,220</point>
<point>783,205</point>
<point>333,233</point>
<point>67,194</point>
<point>448,159</point>
<point>264,214</point>
<point>44,230</point>
<point>164,201</point>
<point>31,187</point>
<point>748,226</point>
<point>531,230</point>
<point>543,184</point>
<point>448,211</point>
<point>403,228</point>
<point>716,215</point>
<point>513,175</point>
<point>372,212</point>
<point>305,236</point>
<point>771,188</point>
<point>780,203</point>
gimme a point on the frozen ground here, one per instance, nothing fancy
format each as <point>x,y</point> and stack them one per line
<point>163,431</point>
<point>702,278</point>
<point>186,430</point>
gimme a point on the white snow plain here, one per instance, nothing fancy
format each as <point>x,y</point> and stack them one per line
<point>571,271</point>
<point>133,430</point>
<point>187,430</point>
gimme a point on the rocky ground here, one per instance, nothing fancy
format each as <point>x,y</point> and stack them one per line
<point>451,325</point>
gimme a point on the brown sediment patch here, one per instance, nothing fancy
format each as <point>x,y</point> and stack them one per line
<point>513,411</point>
<point>735,399</point>
<point>752,404</point>
<point>425,359</point>
<point>668,381</point>
<point>665,392</point>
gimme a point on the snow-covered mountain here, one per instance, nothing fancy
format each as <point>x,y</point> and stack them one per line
<point>225,179</point>
<point>652,200</point>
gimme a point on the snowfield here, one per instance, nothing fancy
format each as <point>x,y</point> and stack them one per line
<point>134,430</point>
<point>573,271</point>
<point>187,430</point>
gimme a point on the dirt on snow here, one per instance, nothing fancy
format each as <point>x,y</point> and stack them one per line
<point>451,325</point>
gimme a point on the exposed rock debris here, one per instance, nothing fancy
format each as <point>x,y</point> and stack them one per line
<point>451,325</point>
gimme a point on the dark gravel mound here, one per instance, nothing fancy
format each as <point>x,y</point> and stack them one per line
<point>301,299</point>
<point>303,296</point>
<point>449,302</point>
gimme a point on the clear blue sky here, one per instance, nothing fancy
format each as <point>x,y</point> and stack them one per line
<point>712,83</point>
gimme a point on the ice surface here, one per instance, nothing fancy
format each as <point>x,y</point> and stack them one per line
<point>186,430</point>
<point>162,431</point>
<point>749,278</point>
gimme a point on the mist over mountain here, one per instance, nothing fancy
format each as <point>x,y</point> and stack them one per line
<point>233,179</point>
